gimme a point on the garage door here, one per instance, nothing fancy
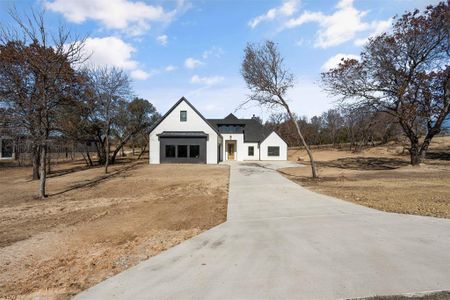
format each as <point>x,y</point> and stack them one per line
<point>183,150</point>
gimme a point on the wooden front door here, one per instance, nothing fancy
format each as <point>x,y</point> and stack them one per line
<point>230,151</point>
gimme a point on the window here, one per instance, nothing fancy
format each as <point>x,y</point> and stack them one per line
<point>194,151</point>
<point>7,148</point>
<point>183,116</point>
<point>182,151</point>
<point>273,151</point>
<point>251,150</point>
<point>170,151</point>
<point>230,128</point>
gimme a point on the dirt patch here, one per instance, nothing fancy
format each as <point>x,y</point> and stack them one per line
<point>94,226</point>
<point>382,178</point>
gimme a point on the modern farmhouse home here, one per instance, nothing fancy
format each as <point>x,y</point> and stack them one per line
<point>183,135</point>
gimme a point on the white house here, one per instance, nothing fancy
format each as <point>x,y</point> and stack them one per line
<point>183,135</point>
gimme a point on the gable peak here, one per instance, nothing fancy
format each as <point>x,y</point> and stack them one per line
<point>231,117</point>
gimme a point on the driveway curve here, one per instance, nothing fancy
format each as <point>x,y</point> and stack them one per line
<point>282,241</point>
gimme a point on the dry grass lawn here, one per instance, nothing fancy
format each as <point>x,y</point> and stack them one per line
<point>92,227</point>
<point>382,178</point>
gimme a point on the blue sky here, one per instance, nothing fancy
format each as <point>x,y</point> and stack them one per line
<point>195,48</point>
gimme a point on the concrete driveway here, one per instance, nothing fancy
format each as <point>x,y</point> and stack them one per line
<point>282,241</point>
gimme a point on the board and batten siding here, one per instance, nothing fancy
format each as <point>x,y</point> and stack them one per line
<point>194,122</point>
<point>273,140</point>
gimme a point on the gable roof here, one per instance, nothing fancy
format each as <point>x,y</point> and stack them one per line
<point>228,120</point>
<point>273,131</point>
<point>193,108</point>
<point>253,130</point>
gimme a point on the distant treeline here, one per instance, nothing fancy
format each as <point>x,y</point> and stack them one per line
<point>353,128</point>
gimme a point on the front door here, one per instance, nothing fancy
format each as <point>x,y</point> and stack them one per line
<point>230,151</point>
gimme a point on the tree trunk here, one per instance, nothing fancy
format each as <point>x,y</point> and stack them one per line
<point>98,147</point>
<point>43,171</point>
<point>48,162</point>
<point>107,153</point>
<point>311,159</point>
<point>89,158</point>
<point>122,145</point>
<point>415,154</point>
<point>142,152</point>
<point>114,155</point>
<point>85,159</point>
<point>35,153</point>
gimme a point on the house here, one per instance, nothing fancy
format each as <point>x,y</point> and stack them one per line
<point>6,147</point>
<point>183,135</point>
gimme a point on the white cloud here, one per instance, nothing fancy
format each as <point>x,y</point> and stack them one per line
<point>192,63</point>
<point>288,8</point>
<point>334,61</point>
<point>379,27</point>
<point>214,51</point>
<point>110,51</point>
<point>170,68</point>
<point>162,40</point>
<point>207,80</point>
<point>139,74</point>
<point>113,52</point>
<point>134,17</point>
<point>334,29</point>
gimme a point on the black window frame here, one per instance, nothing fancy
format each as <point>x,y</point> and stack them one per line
<point>270,153</point>
<point>183,115</point>
<point>174,151</point>
<point>178,151</point>
<point>252,152</point>
<point>191,151</point>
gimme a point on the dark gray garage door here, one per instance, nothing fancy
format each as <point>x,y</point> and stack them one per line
<point>182,149</point>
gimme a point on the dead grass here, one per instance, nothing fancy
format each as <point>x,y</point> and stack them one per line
<point>382,178</point>
<point>94,226</point>
<point>443,295</point>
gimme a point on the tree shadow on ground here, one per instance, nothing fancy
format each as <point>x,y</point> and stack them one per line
<point>435,155</point>
<point>365,163</point>
<point>82,166</point>
<point>62,172</point>
<point>95,181</point>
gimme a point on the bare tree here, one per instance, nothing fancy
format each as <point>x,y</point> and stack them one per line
<point>110,86</point>
<point>405,73</point>
<point>269,80</point>
<point>133,118</point>
<point>35,77</point>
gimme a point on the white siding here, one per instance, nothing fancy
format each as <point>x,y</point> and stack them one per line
<point>241,149</point>
<point>239,138</point>
<point>255,151</point>
<point>260,153</point>
<point>274,140</point>
<point>194,123</point>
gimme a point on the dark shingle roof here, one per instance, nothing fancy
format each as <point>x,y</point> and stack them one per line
<point>253,130</point>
